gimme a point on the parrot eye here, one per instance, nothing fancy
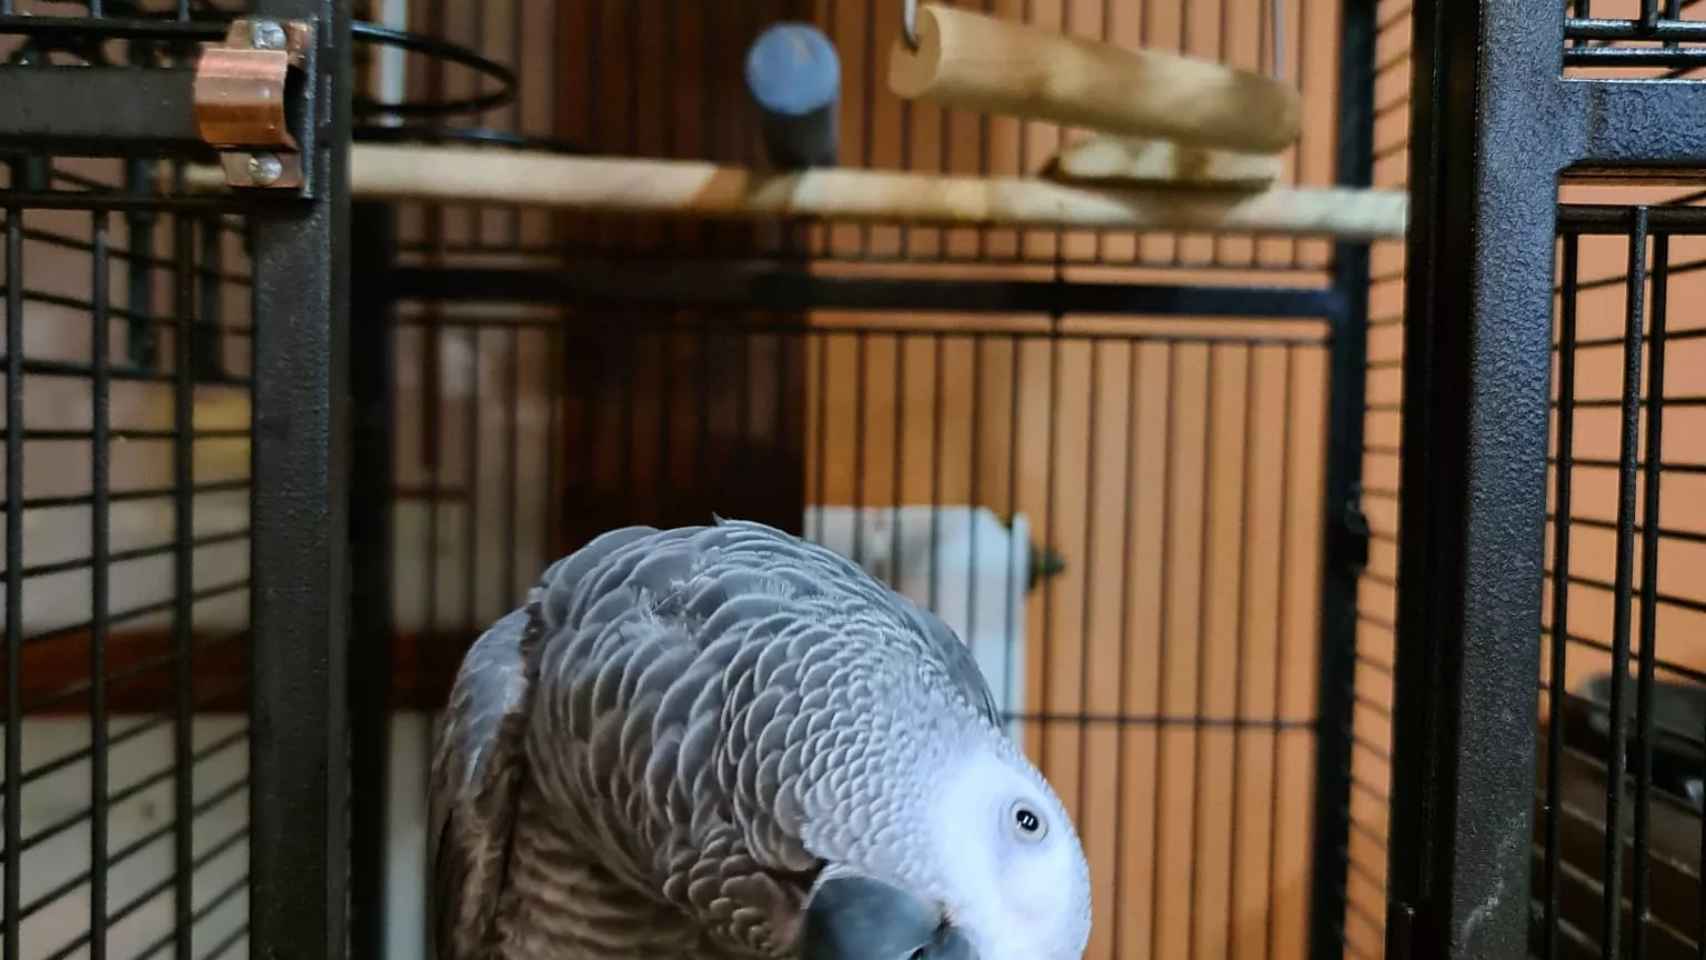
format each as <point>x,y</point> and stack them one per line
<point>1028,822</point>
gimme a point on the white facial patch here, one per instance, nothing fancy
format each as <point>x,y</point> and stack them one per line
<point>1009,860</point>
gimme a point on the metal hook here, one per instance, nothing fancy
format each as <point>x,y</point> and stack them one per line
<point>909,24</point>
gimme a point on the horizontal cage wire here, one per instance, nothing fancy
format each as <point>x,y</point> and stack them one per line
<point>127,354</point>
<point>1656,39</point>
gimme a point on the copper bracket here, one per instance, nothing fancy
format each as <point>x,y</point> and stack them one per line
<point>240,101</point>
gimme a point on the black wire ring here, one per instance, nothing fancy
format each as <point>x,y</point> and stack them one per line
<point>418,43</point>
<point>360,30</point>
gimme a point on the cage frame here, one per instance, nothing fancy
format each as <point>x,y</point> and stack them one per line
<point>1496,127</point>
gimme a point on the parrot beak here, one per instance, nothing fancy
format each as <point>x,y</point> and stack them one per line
<point>857,918</point>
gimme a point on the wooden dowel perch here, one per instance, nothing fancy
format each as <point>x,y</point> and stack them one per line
<point>1134,161</point>
<point>697,189</point>
<point>992,65</point>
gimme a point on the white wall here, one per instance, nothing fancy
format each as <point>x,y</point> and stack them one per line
<point>65,795</point>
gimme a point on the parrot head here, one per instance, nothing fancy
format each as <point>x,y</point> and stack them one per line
<point>989,867</point>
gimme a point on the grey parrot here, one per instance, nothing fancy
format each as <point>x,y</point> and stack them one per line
<point>724,741</point>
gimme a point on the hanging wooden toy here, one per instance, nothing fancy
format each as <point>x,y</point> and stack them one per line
<point>957,58</point>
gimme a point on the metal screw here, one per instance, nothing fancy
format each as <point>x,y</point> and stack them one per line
<point>265,169</point>
<point>268,35</point>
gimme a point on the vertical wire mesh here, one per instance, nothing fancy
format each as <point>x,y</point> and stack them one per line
<point>14,583</point>
<point>132,663</point>
<point>126,503</point>
<point>1618,819</point>
<point>1371,757</point>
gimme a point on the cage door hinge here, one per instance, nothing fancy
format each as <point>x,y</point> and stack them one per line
<point>242,90</point>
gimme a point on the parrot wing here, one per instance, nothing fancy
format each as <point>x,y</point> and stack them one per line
<point>476,774</point>
<point>961,664</point>
<point>478,764</point>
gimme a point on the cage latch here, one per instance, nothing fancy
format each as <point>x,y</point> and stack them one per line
<point>241,91</point>
<point>1354,530</point>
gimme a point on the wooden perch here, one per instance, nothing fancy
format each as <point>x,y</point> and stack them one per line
<point>1139,162</point>
<point>696,189</point>
<point>991,65</point>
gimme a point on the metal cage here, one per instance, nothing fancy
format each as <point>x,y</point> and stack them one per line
<point>312,445</point>
<point>175,379</point>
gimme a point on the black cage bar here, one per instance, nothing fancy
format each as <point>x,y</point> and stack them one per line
<point>299,895</point>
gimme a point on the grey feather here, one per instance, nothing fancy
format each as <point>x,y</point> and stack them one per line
<point>477,765</point>
<point>475,775</point>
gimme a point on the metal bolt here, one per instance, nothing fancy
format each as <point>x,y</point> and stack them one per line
<point>265,169</point>
<point>268,35</point>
